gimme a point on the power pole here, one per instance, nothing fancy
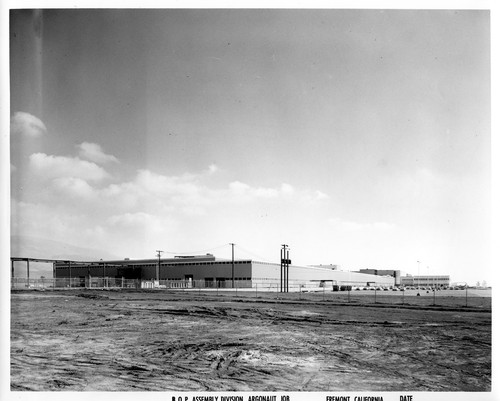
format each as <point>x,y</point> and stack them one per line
<point>287,267</point>
<point>158,267</point>
<point>232,263</point>
<point>285,261</point>
<point>418,261</point>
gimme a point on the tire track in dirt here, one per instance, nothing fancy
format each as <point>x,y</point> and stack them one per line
<point>118,342</point>
<point>226,361</point>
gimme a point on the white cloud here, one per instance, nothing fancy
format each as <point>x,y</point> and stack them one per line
<point>318,195</point>
<point>132,220</point>
<point>166,185</point>
<point>22,123</point>
<point>287,188</point>
<point>75,188</point>
<point>212,169</point>
<point>382,225</point>
<point>189,194</point>
<point>94,153</point>
<point>361,226</point>
<point>150,207</point>
<point>238,188</point>
<point>61,166</point>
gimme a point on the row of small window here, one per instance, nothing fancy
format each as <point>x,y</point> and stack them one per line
<point>236,262</point>
<point>429,280</point>
<point>227,278</point>
<point>209,279</point>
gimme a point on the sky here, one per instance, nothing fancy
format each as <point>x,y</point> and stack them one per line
<point>358,137</point>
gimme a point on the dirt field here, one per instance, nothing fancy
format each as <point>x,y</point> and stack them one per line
<point>86,340</point>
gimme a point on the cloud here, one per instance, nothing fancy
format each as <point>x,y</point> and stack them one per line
<point>72,203</point>
<point>318,195</point>
<point>239,188</point>
<point>162,185</point>
<point>51,167</point>
<point>357,226</point>
<point>285,191</point>
<point>189,194</point>
<point>94,153</point>
<point>212,169</point>
<point>74,187</point>
<point>22,123</point>
<point>133,220</point>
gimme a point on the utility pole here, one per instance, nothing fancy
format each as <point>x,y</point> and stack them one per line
<point>418,261</point>
<point>287,265</point>
<point>281,268</point>
<point>232,263</point>
<point>158,267</point>
<point>285,261</point>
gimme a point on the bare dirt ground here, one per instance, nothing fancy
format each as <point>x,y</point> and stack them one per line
<point>86,340</point>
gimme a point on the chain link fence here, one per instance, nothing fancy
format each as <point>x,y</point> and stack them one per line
<point>18,283</point>
<point>270,290</point>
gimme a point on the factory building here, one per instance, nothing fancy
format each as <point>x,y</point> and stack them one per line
<point>377,272</point>
<point>438,281</point>
<point>208,271</point>
<point>411,281</point>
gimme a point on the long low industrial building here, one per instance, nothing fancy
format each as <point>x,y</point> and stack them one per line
<point>208,271</point>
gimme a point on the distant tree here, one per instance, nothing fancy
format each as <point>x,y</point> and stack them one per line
<point>478,284</point>
<point>484,283</point>
<point>42,276</point>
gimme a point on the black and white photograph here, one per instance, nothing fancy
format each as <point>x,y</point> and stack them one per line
<point>248,204</point>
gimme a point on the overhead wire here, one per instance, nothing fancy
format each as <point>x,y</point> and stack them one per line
<point>261,258</point>
<point>237,247</point>
<point>196,252</point>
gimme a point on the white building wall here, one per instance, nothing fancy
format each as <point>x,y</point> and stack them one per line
<point>271,271</point>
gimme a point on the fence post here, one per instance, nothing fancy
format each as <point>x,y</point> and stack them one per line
<point>256,290</point>
<point>323,293</point>
<point>348,296</point>
<point>375,294</point>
